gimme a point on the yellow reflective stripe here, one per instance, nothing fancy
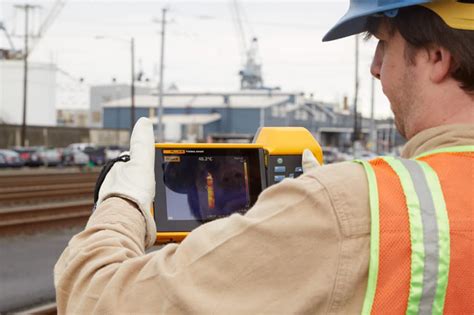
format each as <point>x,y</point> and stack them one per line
<point>456,149</point>
<point>443,237</point>
<point>416,235</point>
<point>430,234</point>
<point>374,237</point>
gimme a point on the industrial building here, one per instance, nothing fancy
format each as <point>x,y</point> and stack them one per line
<point>199,116</point>
<point>101,94</point>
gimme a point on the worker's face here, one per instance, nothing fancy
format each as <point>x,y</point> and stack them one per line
<point>397,75</point>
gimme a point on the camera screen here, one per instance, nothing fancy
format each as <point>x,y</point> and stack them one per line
<point>203,187</point>
<point>200,185</point>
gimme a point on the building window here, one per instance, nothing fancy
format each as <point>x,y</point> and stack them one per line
<point>96,117</point>
<point>278,111</point>
<point>301,114</point>
<point>282,110</point>
<point>304,115</point>
<point>319,116</point>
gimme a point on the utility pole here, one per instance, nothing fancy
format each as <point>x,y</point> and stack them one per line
<point>373,131</point>
<point>132,92</point>
<point>25,78</point>
<point>161,129</point>
<point>356,96</point>
<point>25,7</point>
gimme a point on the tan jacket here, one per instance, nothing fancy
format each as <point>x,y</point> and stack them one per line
<point>303,248</point>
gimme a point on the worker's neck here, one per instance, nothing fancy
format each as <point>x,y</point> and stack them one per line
<point>443,109</point>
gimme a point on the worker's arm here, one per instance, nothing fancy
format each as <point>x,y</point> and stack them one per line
<point>290,253</point>
<point>88,268</point>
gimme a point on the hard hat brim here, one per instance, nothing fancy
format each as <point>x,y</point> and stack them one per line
<point>355,20</point>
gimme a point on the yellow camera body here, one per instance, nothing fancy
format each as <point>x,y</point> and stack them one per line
<point>200,182</point>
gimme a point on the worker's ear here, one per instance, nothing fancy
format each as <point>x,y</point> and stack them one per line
<point>441,64</point>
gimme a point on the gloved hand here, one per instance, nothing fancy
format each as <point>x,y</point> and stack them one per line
<point>309,161</point>
<point>135,180</point>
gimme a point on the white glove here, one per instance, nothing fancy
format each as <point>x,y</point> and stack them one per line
<point>135,180</point>
<point>309,161</point>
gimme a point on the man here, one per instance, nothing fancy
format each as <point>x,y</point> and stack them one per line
<point>306,244</point>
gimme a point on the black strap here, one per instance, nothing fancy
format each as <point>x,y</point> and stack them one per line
<point>105,170</point>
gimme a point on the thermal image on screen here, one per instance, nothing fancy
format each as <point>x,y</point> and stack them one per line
<point>200,187</point>
<point>211,201</point>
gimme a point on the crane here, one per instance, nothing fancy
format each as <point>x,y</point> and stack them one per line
<point>10,53</point>
<point>2,27</point>
<point>47,22</point>
<point>39,34</point>
<point>251,74</point>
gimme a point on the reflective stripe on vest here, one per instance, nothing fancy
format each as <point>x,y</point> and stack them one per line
<point>416,225</point>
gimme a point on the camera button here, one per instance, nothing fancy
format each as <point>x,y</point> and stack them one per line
<point>280,169</point>
<point>279,178</point>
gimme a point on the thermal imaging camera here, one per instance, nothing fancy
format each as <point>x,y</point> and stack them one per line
<point>200,182</point>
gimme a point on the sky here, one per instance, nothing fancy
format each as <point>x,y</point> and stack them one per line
<point>203,51</point>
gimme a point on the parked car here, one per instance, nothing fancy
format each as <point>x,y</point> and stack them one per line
<point>30,156</point>
<point>333,155</point>
<point>9,158</point>
<point>113,152</point>
<point>73,157</point>
<point>96,155</point>
<point>81,146</point>
<point>367,155</point>
<point>50,156</point>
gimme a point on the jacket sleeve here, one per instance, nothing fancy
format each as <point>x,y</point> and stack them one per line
<point>282,256</point>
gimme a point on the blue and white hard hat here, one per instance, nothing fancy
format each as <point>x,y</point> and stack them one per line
<point>355,19</point>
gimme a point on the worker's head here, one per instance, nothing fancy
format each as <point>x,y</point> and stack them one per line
<point>424,58</point>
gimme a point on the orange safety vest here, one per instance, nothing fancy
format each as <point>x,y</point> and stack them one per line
<point>422,248</point>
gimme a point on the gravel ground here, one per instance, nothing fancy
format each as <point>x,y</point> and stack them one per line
<point>26,269</point>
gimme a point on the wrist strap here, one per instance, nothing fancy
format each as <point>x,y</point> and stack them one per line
<point>103,173</point>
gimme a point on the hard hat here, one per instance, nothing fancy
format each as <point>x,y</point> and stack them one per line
<point>457,14</point>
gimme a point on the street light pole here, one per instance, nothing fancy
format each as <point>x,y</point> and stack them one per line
<point>132,92</point>
<point>161,136</point>
<point>117,117</point>
<point>131,41</point>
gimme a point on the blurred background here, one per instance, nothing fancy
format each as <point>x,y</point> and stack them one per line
<point>76,75</point>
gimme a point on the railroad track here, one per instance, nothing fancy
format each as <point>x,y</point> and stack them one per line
<point>28,219</point>
<point>45,193</point>
<point>29,202</point>
<point>39,179</point>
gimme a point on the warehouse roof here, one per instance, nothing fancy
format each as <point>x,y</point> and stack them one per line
<point>206,100</point>
<point>188,119</point>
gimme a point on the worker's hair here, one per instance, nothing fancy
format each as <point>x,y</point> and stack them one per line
<point>422,28</point>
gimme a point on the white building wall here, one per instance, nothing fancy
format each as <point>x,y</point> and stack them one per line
<point>41,98</point>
